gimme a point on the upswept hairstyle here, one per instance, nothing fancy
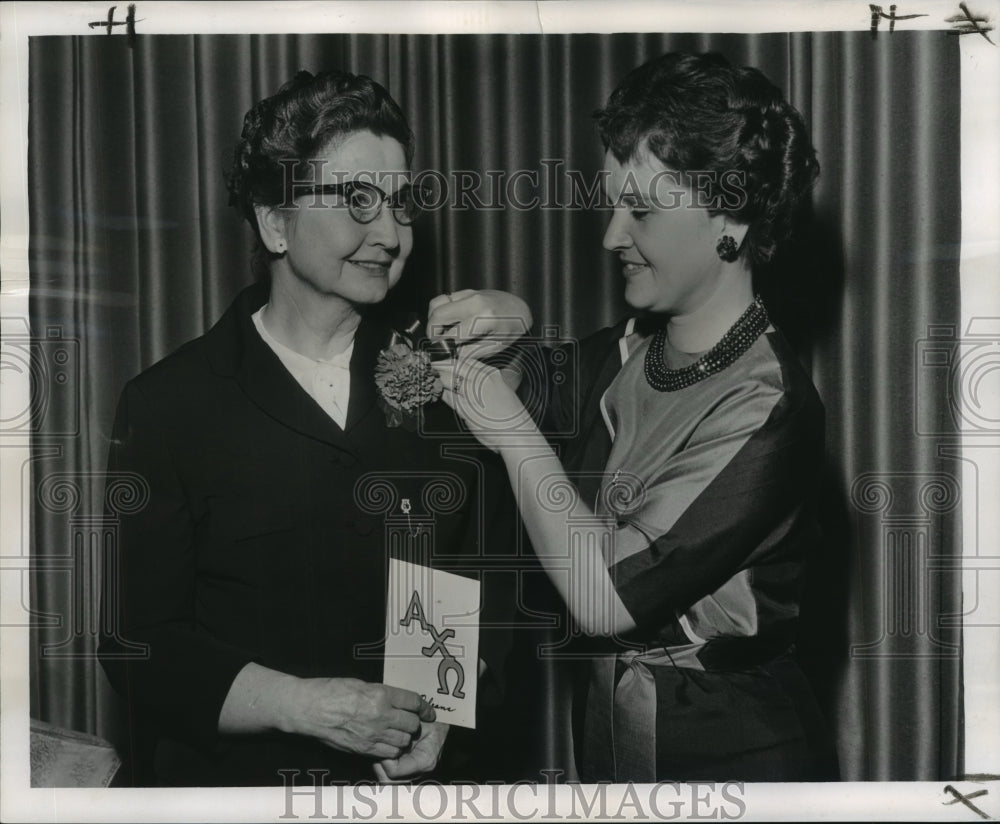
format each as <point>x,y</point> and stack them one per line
<point>297,123</point>
<point>699,113</point>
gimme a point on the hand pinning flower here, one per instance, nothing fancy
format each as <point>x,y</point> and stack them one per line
<point>405,381</point>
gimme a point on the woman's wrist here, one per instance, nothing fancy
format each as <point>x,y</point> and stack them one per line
<point>527,445</point>
<point>261,699</point>
<point>288,703</point>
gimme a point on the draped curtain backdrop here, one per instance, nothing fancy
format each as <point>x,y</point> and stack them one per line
<point>135,251</point>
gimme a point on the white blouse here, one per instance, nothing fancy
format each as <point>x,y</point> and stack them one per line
<point>328,382</point>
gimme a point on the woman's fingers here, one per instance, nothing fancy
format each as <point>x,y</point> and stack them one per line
<point>463,369</point>
<point>437,302</point>
<point>482,322</point>
<point>465,383</point>
<point>369,719</point>
<point>408,700</point>
<point>393,770</point>
<point>485,320</point>
<point>415,707</point>
<point>383,751</point>
<point>448,297</point>
<point>365,746</point>
<point>396,738</point>
<point>381,776</point>
<point>453,314</point>
<point>422,756</point>
<point>402,699</point>
<point>468,390</point>
<point>454,385</point>
<point>445,370</point>
<point>406,722</point>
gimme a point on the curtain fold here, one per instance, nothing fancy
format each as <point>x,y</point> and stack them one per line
<point>134,251</point>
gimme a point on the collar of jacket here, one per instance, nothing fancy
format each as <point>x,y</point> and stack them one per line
<point>236,350</point>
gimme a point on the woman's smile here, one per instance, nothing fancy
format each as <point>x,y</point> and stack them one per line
<point>374,267</point>
<point>633,267</point>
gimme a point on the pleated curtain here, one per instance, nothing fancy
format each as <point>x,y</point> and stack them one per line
<point>134,251</point>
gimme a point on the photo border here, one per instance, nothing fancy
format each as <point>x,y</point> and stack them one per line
<point>980,289</point>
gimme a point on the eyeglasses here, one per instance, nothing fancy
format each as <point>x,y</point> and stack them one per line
<point>364,200</point>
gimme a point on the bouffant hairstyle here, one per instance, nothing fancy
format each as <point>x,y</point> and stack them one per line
<point>282,133</point>
<point>698,113</point>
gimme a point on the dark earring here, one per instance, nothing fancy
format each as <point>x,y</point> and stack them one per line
<point>727,249</point>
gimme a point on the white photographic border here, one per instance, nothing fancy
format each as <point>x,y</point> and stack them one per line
<point>980,289</point>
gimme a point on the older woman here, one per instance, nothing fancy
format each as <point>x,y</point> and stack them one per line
<point>254,581</point>
<point>699,447</point>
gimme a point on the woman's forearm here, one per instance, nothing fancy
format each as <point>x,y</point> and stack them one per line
<point>344,713</point>
<point>492,411</point>
<point>578,569</point>
<point>258,701</point>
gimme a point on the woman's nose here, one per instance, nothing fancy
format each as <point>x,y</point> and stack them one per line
<point>615,236</point>
<point>384,230</point>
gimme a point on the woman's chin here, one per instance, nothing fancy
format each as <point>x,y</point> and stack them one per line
<point>377,296</point>
<point>378,290</point>
<point>365,297</point>
<point>636,297</point>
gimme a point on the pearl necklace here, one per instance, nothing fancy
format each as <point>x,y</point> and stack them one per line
<point>726,352</point>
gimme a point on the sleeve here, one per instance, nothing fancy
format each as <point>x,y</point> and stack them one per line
<point>151,648</point>
<point>559,379</point>
<point>733,497</point>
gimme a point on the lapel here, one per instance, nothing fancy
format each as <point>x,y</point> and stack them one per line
<point>371,337</point>
<point>236,350</point>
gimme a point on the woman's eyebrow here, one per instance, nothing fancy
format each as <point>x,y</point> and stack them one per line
<point>614,195</point>
<point>633,199</point>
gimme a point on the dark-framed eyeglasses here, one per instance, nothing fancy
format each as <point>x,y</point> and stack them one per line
<point>364,200</point>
